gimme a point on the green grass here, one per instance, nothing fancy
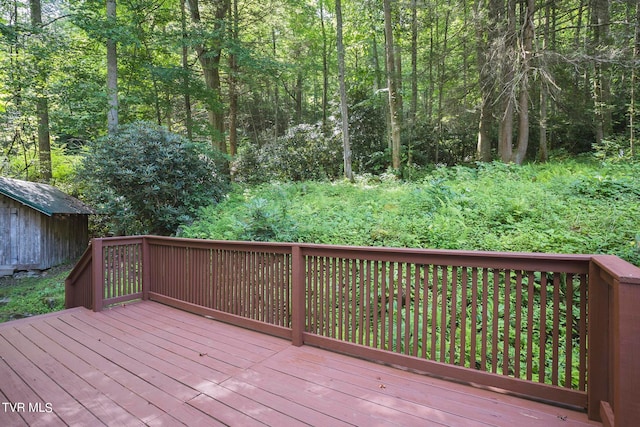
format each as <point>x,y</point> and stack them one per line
<point>561,207</point>
<point>32,295</point>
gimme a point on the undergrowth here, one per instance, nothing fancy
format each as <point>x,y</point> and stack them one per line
<point>571,206</point>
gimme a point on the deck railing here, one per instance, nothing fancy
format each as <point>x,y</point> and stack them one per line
<point>560,328</point>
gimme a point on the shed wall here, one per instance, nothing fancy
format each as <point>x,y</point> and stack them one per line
<point>32,240</point>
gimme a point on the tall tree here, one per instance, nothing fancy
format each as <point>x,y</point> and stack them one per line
<point>42,102</point>
<point>523,102</point>
<point>234,29</point>
<point>507,57</point>
<point>325,67</point>
<point>601,89</point>
<point>185,70</point>
<point>112,70</point>
<point>209,55</point>
<point>634,79</point>
<point>344,106</point>
<point>543,152</point>
<point>392,77</point>
<point>485,27</point>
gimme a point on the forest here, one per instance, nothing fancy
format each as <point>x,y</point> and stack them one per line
<point>150,110</point>
<point>418,82</point>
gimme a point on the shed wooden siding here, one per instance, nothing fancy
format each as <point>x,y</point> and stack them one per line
<point>32,240</point>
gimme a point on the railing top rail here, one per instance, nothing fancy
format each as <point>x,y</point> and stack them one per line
<point>570,263</point>
<point>118,240</point>
<point>618,268</point>
<point>220,244</point>
<point>460,258</point>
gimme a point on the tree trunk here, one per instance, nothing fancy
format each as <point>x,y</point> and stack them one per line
<point>112,72</point>
<point>325,68</point>
<point>634,80</point>
<point>185,70</point>
<point>209,57</point>
<point>233,74</point>
<point>543,152</point>
<point>441,82</point>
<point>527,48</point>
<point>505,144</point>
<point>392,87</point>
<point>414,62</point>
<point>276,90</point>
<point>484,29</point>
<point>344,106</point>
<point>42,103</point>
<point>600,41</point>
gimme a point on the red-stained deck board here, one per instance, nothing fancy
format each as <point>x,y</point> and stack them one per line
<point>47,390</point>
<point>146,363</point>
<point>38,347</point>
<point>95,370</point>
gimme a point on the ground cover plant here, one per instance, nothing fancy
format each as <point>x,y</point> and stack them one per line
<point>27,296</point>
<point>571,206</point>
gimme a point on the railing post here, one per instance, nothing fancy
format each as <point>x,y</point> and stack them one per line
<point>298,300</point>
<point>626,351</point>
<point>146,268</point>
<point>598,342</point>
<point>614,345</point>
<point>97,274</point>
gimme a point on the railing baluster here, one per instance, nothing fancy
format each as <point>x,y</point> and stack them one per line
<point>434,311</point>
<point>556,330</point>
<point>443,312</point>
<point>518,326</point>
<point>474,318</point>
<point>495,321</point>
<point>416,309</point>
<point>530,330</point>
<point>507,319</point>
<point>425,312</point>
<point>485,318</point>
<point>463,316</point>
<point>453,310</point>
<point>542,355</point>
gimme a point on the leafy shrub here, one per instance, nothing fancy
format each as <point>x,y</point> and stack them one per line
<point>146,179</point>
<point>368,134</point>
<point>305,152</point>
<point>615,149</point>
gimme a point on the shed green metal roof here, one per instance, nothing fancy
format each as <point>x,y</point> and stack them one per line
<point>42,197</point>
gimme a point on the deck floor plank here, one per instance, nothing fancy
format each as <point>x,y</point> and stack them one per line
<point>48,391</point>
<point>140,397</point>
<point>124,399</point>
<point>17,391</point>
<point>10,419</point>
<point>174,344</point>
<point>145,363</point>
<point>255,348</point>
<point>98,403</point>
<point>386,386</point>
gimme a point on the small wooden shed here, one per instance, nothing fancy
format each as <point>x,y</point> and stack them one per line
<point>40,226</point>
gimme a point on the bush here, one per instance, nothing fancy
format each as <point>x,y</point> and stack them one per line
<point>305,152</point>
<point>146,179</point>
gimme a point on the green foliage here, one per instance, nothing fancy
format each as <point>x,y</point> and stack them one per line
<point>615,149</point>
<point>305,152</point>
<point>146,179</point>
<point>556,207</point>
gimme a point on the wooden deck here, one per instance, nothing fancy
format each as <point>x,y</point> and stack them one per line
<point>148,364</point>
